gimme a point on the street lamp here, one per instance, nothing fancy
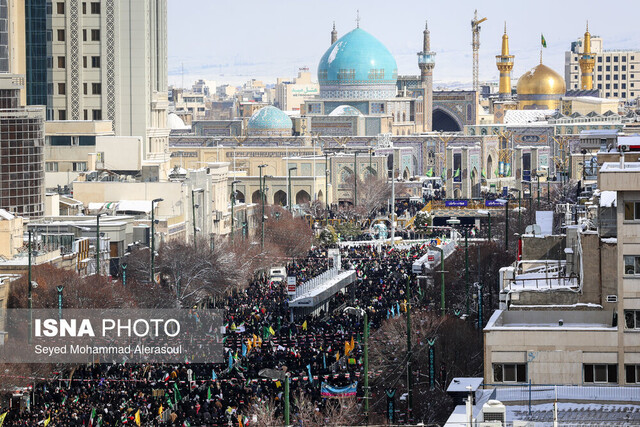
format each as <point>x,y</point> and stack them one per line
<point>233,202</point>
<point>263,193</point>
<point>98,244</point>
<point>153,236</point>
<point>363,313</point>
<point>290,169</point>
<point>456,221</point>
<point>488,214</point>
<point>437,248</point>
<point>193,207</point>
<point>519,206</point>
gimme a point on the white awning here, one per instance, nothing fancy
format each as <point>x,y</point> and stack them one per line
<point>134,206</point>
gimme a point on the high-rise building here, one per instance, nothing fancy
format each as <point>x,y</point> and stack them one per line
<point>36,51</point>
<point>21,152</point>
<point>105,60</point>
<point>12,41</point>
<point>616,73</point>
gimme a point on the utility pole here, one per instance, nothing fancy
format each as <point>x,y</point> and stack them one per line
<point>233,203</point>
<point>366,366</point>
<point>506,225</point>
<point>466,266</point>
<point>409,373</point>
<point>98,244</point>
<point>30,296</point>
<point>193,207</point>
<point>393,198</point>
<point>355,179</point>
<point>439,249</point>
<point>262,202</point>
<point>153,238</point>
<point>475,44</point>
<point>59,289</point>
<point>290,169</point>
<point>326,187</point>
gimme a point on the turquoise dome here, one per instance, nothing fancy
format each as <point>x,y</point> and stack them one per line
<point>269,120</point>
<point>357,66</point>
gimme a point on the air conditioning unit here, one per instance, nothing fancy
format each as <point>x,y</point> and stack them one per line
<point>494,412</point>
<point>612,298</point>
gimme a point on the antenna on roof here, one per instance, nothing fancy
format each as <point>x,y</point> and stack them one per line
<point>358,18</point>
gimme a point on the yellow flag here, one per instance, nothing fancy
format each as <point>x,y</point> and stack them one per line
<point>255,340</point>
<point>137,417</point>
<point>337,358</point>
<point>278,384</point>
<point>304,326</point>
<point>249,345</point>
<point>272,331</point>
<point>46,422</point>
<point>353,345</point>
<point>347,348</point>
<point>259,342</point>
<point>2,417</point>
<point>160,409</point>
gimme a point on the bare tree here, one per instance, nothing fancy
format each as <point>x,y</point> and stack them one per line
<point>289,235</point>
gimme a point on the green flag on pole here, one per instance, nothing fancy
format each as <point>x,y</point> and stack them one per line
<point>543,41</point>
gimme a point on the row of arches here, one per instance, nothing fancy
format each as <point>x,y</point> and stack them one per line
<point>280,197</point>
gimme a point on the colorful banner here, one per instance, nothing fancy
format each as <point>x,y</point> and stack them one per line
<point>493,203</point>
<point>331,392</point>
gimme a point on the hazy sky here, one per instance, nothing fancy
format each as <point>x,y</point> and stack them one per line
<point>233,41</point>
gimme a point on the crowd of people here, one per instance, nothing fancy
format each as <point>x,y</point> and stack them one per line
<point>259,334</point>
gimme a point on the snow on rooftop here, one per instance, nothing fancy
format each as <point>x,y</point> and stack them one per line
<point>615,167</point>
<point>608,199</point>
<point>5,215</point>
<point>526,116</point>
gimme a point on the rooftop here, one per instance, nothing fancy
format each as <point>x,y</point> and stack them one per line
<point>551,320</point>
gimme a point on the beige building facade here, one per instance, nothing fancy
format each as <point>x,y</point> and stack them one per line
<point>108,61</point>
<point>291,95</point>
<point>616,73</point>
<point>11,234</point>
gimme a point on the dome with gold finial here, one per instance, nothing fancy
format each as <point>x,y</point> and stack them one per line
<point>540,89</point>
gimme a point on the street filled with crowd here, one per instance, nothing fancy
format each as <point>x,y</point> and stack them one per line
<point>259,333</point>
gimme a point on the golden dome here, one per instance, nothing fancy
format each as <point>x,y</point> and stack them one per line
<point>541,80</point>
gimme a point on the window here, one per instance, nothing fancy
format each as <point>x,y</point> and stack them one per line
<point>624,68</point>
<point>615,85</point>
<point>95,35</point>
<point>79,166</point>
<point>631,211</point>
<point>60,35</point>
<point>84,8</point>
<point>608,68</point>
<point>509,372</point>
<point>95,62</point>
<point>62,114</point>
<point>615,68</point>
<point>49,7</point>
<point>84,35</point>
<point>632,374</point>
<point>631,317</point>
<point>96,114</point>
<point>623,86</point>
<point>632,264</point>
<point>86,115</point>
<point>615,59</point>
<point>600,373</point>
<point>608,59</point>
<point>60,8</point>
<point>95,8</point>
<point>96,88</point>
<point>51,167</point>
<point>61,62</point>
<point>49,35</point>
<point>615,77</point>
<point>62,89</point>
<point>607,86</point>
<point>608,77</point>
<point>599,58</point>
<point>599,67</point>
<point>84,62</point>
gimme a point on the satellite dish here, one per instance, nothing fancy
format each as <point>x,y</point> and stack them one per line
<point>533,229</point>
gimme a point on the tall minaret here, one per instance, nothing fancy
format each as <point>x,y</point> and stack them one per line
<point>587,63</point>
<point>426,62</point>
<point>504,62</point>
<point>334,34</point>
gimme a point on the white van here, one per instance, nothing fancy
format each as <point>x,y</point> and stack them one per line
<point>277,274</point>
